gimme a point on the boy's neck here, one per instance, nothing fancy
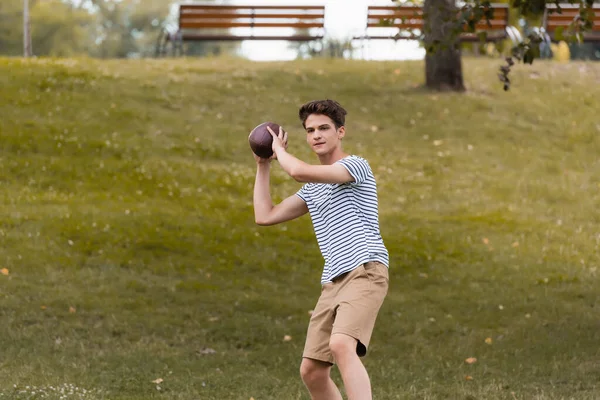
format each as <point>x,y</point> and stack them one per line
<point>330,158</point>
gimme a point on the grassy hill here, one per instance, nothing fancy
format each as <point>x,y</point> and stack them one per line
<point>132,268</point>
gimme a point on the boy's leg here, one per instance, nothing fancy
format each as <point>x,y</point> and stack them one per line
<point>355,377</point>
<point>358,303</point>
<point>316,357</point>
<point>316,376</point>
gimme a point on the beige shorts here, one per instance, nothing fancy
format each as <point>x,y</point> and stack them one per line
<point>348,305</point>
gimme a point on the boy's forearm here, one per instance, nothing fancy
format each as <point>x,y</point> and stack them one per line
<point>262,193</point>
<point>289,163</point>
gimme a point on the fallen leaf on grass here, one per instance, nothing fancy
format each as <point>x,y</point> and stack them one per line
<point>488,340</point>
<point>4,271</point>
<point>469,377</point>
<point>157,381</point>
<point>471,360</point>
<point>287,338</point>
<point>72,310</point>
<point>485,241</point>
<point>206,351</point>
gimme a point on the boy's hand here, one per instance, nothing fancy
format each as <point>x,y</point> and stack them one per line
<point>279,140</point>
<point>260,160</point>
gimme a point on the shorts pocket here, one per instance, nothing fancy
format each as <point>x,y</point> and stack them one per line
<point>377,272</point>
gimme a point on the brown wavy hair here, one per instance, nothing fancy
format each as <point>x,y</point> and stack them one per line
<point>330,108</point>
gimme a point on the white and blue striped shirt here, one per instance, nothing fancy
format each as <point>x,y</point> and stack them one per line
<point>346,220</point>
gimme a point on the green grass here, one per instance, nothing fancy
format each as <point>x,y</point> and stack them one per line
<point>126,226</point>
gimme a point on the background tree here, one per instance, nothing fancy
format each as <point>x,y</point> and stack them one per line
<point>11,26</point>
<point>60,29</point>
<point>127,28</point>
<point>443,65</point>
<point>444,23</point>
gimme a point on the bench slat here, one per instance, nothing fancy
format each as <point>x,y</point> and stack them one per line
<point>382,24</point>
<point>569,17</point>
<point>465,37</point>
<point>240,16</point>
<point>497,6</point>
<point>408,25</point>
<point>185,7</point>
<point>567,6</point>
<point>199,37</point>
<point>419,25</point>
<point>552,27</point>
<point>498,14</point>
<point>208,24</point>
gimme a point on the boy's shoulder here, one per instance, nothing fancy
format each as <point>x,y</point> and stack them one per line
<point>355,158</point>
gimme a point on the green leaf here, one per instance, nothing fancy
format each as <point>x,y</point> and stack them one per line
<point>558,33</point>
<point>482,36</point>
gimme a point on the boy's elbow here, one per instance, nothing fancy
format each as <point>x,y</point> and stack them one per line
<point>262,222</point>
<point>259,222</point>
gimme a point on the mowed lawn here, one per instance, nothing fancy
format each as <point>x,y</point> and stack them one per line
<point>131,267</point>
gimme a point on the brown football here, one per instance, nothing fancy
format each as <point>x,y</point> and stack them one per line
<point>261,141</point>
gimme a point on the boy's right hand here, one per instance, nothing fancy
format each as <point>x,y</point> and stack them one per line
<point>260,160</point>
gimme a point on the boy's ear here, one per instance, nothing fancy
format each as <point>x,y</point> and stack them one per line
<point>341,132</point>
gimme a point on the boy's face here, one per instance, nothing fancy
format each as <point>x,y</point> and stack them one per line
<point>321,135</point>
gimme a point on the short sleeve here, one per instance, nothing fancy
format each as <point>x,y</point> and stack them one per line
<point>302,193</point>
<point>358,168</point>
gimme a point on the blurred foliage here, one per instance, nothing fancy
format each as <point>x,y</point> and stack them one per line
<point>125,28</point>
<point>98,28</point>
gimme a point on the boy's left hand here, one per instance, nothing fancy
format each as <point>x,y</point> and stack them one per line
<point>279,140</point>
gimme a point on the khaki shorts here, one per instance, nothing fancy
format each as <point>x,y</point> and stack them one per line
<point>348,305</point>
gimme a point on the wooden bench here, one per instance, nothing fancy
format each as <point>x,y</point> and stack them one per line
<point>406,22</point>
<point>554,22</point>
<point>212,22</point>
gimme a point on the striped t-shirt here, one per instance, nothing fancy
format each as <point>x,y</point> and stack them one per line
<point>346,220</point>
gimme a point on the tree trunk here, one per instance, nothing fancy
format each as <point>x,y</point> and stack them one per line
<point>443,67</point>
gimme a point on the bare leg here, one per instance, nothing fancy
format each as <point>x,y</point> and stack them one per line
<point>315,375</point>
<point>354,374</point>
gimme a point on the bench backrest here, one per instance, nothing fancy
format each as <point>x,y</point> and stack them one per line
<point>411,17</point>
<point>208,16</point>
<point>553,20</point>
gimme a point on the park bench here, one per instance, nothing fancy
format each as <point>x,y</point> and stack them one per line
<point>554,22</point>
<point>228,22</point>
<point>406,22</point>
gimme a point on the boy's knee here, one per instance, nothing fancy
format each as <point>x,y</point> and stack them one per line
<point>314,372</point>
<point>342,345</point>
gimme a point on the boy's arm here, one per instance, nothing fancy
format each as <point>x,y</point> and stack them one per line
<point>303,172</point>
<point>264,211</point>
